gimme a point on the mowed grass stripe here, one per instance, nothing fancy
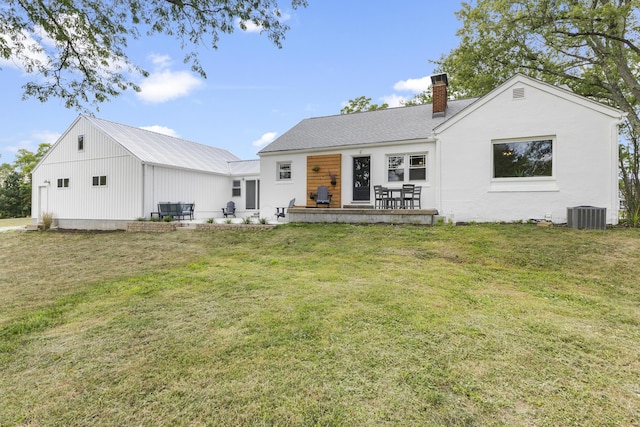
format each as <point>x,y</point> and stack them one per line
<point>329,325</point>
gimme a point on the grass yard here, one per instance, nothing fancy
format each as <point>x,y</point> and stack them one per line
<point>322,325</point>
<point>14,222</point>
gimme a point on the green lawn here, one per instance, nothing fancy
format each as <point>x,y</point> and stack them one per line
<point>13,222</point>
<point>322,325</point>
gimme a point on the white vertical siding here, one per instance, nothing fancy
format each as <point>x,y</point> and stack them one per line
<point>119,199</point>
<point>101,156</point>
<point>209,192</point>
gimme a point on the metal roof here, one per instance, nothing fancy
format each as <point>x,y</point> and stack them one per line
<point>155,148</point>
<point>245,167</point>
<point>371,127</point>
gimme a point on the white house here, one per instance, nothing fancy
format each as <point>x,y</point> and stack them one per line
<point>100,174</point>
<point>526,150</point>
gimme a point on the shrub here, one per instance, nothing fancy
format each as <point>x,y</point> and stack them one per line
<point>47,220</point>
<point>263,220</point>
<point>246,220</point>
<point>210,221</point>
<point>167,218</point>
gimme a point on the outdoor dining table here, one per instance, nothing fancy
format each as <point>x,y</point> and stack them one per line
<point>395,197</point>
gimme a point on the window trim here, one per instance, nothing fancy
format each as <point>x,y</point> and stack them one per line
<point>63,183</point>
<point>236,190</point>
<point>406,167</point>
<point>279,170</point>
<point>100,180</point>
<point>524,179</point>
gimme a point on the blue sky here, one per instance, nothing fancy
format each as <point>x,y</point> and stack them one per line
<point>336,50</point>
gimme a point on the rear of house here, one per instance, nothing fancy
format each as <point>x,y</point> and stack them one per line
<point>527,150</point>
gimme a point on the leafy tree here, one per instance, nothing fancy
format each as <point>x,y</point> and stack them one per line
<point>12,197</point>
<point>362,103</point>
<point>592,46</point>
<point>425,97</point>
<point>25,160</point>
<point>78,48</point>
<point>15,182</point>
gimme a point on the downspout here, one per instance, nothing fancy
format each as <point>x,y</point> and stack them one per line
<point>438,175</point>
<point>143,170</point>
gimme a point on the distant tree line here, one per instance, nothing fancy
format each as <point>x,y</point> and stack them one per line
<point>15,183</point>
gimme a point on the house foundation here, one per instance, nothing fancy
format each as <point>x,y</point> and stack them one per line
<point>363,216</point>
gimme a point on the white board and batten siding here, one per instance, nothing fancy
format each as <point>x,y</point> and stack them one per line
<point>81,201</point>
<point>142,168</point>
<point>208,191</point>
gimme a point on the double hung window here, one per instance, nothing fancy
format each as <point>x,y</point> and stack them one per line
<point>283,171</point>
<point>407,167</point>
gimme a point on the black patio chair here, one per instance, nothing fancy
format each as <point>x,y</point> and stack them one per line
<point>381,197</point>
<point>230,210</point>
<point>280,212</point>
<point>407,195</point>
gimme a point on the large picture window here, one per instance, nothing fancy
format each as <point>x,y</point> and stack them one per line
<point>406,167</point>
<point>523,159</point>
<point>284,171</point>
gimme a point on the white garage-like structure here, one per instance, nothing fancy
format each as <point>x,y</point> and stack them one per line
<point>101,174</point>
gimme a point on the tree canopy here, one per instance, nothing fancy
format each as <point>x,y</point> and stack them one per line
<point>362,103</point>
<point>15,182</point>
<point>77,50</point>
<point>592,46</point>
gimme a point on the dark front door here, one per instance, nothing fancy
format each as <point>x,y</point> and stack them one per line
<point>361,176</point>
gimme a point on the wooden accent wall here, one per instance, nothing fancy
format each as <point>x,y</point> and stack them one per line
<point>327,164</point>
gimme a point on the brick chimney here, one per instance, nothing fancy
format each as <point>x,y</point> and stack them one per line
<point>439,83</point>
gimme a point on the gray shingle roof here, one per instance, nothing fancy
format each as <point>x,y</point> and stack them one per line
<point>371,127</point>
<point>155,148</point>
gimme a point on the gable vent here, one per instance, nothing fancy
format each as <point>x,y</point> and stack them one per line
<point>518,93</point>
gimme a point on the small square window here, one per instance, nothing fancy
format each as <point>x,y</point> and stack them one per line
<point>80,142</point>
<point>236,190</point>
<point>63,182</point>
<point>284,171</point>
<point>99,181</point>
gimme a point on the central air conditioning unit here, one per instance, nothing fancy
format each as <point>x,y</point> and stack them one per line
<point>587,217</point>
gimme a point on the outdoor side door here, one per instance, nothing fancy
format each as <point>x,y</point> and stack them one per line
<point>361,177</point>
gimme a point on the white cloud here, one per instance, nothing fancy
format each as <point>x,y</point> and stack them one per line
<point>32,51</point>
<point>394,100</point>
<point>250,26</point>
<point>413,85</point>
<point>161,129</point>
<point>160,61</point>
<point>9,146</point>
<point>265,139</point>
<point>164,84</point>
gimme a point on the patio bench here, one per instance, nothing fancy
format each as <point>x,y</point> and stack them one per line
<point>174,210</point>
